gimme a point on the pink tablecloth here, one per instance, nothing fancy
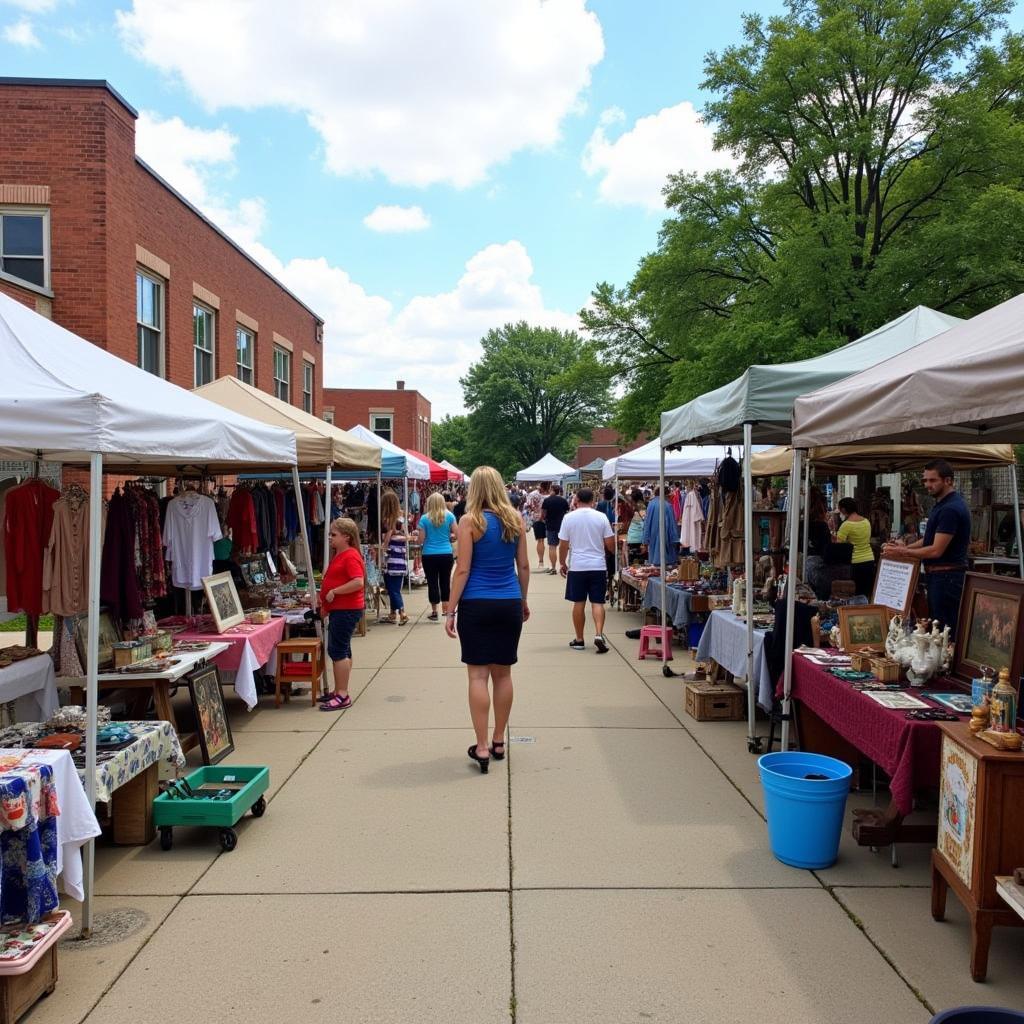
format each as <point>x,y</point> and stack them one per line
<point>908,751</point>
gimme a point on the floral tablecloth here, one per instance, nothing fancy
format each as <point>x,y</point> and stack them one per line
<point>28,843</point>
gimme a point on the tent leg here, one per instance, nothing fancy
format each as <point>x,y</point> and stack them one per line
<point>92,673</point>
<point>327,519</point>
<point>787,685</point>
<point>806,507</point>
<point>662,540</point>
<point>615,532</point>
<point>408,527</point>
<point>303,530</point>
<point>753,740</point>
<point>1016,518</point>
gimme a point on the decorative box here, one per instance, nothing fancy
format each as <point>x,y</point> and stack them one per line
<point>861,661</point>
<point>128,652</point>
<point>884,670</point>
<point>260,617</point>
<point>162,640</point>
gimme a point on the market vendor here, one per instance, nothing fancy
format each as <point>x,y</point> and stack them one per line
<point>943,549</point>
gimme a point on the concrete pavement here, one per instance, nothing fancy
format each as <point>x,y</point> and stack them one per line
<point>615,867</point>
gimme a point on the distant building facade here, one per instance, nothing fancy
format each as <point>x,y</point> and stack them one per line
<point>399,415</point>
<point>604,443</point>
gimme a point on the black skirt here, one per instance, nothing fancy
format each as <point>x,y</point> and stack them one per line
<point>489,631</point>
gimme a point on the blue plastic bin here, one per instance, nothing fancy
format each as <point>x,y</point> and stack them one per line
<point>805,800</point>
<point>693,634</point>
<point>977,1015</point>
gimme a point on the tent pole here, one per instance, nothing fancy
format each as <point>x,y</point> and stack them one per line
<point>311,584</point>
<point>92,672</point>
<point>615,536</point>
<point>380,551</point>
<point>408,527</point>
<point>753,743</point>
<point>327,518</point>
<point>787,685</point>
<point>1016,518</point>
<point>807,508</point>
<point>662,541</point>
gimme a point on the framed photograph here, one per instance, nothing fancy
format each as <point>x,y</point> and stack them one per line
<point>989,629</point>
<point>222,597</point>
<point>896,584</point>
<point>109,635</point>
<point>862,627</point>
<point>215,740</point>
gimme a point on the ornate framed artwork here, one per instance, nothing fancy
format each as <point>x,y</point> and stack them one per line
<point>222,597</point>
<point>215,741</point>
<point>862,627</point>
<point>989,630</point>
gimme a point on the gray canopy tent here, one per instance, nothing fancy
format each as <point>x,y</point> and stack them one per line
<point>758,406</point>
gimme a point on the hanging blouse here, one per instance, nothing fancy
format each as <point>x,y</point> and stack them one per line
<point>66,558</point>
<point>28,520</point>
<point>241,520</point>
<point>119,582</point>
<point>192,528</point>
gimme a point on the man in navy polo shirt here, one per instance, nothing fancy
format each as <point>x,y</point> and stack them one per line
<point>943,549</point>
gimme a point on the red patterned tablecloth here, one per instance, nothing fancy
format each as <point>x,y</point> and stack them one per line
<point>908,751</point>
<point>261,639</point>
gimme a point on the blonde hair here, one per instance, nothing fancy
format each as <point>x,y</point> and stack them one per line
<point>348,528</point>
<point>436,508</point>
<point>487,491</point>
<point>390,510</point>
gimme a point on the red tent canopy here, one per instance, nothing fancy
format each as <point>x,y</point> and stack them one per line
<point>438,474</point>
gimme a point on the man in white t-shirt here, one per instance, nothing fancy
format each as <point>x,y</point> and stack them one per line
<point>584,537</point>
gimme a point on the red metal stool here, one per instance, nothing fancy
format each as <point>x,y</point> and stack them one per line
<point>654,640</point>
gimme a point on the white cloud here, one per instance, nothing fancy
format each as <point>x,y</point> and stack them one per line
<point>419,92</point>
<point>634,167</point>
<point>183,154</point>
<point>397,218</point>
<point>22,33</point>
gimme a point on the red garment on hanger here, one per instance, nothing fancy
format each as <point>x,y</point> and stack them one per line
<point>28,520</point>
<point>241,520</point>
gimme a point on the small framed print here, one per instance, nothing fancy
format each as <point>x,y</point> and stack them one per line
<point>863,627</point>
<point>215,741</point>
<point>222,597</point>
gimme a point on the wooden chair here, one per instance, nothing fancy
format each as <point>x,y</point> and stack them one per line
<point>309,669</point>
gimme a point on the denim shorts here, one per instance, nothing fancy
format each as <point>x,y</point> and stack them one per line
<point>340,627</point>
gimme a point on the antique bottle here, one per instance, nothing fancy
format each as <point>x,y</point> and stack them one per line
<point>1004,704</point>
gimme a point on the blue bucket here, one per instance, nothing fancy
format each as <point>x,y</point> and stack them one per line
<point>694,631</point>
<point>805,800</point>
<point>977,1015</point>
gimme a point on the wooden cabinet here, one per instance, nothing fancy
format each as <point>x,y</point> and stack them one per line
<point>981,833</point>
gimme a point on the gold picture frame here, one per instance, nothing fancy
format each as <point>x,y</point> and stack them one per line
<point>862,627</point>
<point>223,600</point>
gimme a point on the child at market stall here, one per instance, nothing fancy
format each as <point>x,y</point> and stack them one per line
<point>395,555</point>
<point>341,603</point>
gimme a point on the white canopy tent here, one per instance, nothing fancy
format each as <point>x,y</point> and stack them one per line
<point>453,469</point>
<point>415,469</point>
<point>67,400</point>
<point>758,406</point>
<point>644,463</point>
<point>546,468</point>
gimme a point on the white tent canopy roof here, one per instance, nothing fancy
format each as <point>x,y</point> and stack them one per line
<point>415,469</point>
<point>453,469</point>
<point>546,468</point>
<point>881,458</point>
<point>644,463</point>
<point>764,395</point>
<point>66,398</point>
<point>967,384</point>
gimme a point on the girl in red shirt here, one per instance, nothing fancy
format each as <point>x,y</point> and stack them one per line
<point>341,598</point>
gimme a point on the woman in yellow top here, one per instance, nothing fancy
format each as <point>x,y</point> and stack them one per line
<point>856,530</point>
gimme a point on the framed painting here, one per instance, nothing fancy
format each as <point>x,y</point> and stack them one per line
<point>988,633</point>
<point>215,741</point>
<point>222,597</point>
<point>109,635</point>
<point>862,627</point>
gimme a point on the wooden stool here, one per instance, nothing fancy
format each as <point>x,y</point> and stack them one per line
<point>289,672</point>
<point>655,641</point>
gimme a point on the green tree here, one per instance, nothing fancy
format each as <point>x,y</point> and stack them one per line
<point>880,151</point>
<point>535,390</point>
<point>451,440</point>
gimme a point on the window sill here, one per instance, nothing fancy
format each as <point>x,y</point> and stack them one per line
<point>27,285</point>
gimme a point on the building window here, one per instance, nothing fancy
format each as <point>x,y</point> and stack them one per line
<point>25,245</point>
<point>329,416</point>
<point>308,370</point>
<point>203,335</point>
<point>282,374</point>
<point>149,322</point>
<point>245,349</point>
<point>381,424</point>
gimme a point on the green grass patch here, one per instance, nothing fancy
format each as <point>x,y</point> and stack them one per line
<point>18,624</point>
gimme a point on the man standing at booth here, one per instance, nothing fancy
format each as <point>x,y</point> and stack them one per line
<point>943,549</point>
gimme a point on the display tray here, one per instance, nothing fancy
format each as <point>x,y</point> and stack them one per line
<point>214,813</point>
<point>51,927</point>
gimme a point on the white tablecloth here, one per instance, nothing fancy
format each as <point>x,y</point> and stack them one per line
<point>76,823</point>
<point>724,640</point>
<point>33,684</point>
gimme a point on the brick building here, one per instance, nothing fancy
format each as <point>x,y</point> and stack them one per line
<point>604,443</point>
<point>398,415</point>
<point>93,238</point>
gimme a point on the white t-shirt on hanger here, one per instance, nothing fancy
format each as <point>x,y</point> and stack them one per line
<point>190,530</point>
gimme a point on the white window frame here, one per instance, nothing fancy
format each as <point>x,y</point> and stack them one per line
<point>329,416</point>
<point>28,211</point>
<point>308,373</point>
<point>161,304</point>
<point>240,366</point>
<point>197,308</point>
<point>283,383</point>
<point>390,417</point>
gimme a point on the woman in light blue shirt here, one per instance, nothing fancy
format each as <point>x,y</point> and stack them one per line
<point>437,531</point>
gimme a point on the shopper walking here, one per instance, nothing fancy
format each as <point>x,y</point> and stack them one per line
<point>396,554</point>
<point>534,501</point>
<point>437,531</point>
<point>554,508</point>
<point>342,604</point>
<point>488,606</point>
<point>585,538</point>
<point>856,530</point>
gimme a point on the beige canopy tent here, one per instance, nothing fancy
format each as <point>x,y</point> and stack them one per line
<point>873,458</point>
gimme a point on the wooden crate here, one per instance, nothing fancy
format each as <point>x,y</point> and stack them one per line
<point>20,992</point>
<point>715,702</point>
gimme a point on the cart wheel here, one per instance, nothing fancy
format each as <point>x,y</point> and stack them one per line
<point>228,839</point>
<point>259,808</point>
<point>166,837</point>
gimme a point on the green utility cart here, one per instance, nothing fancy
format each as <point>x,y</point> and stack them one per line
<point>245,786</point>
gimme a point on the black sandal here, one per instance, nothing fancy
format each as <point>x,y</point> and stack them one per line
<point>484,762</point>
<point>494,750</point>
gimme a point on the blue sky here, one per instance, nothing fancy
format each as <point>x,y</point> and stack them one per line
<point>522,143</point>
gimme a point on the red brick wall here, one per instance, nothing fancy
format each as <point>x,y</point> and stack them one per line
<point>353,405</point>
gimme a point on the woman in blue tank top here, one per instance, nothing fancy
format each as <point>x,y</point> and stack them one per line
<point>488,605</point>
